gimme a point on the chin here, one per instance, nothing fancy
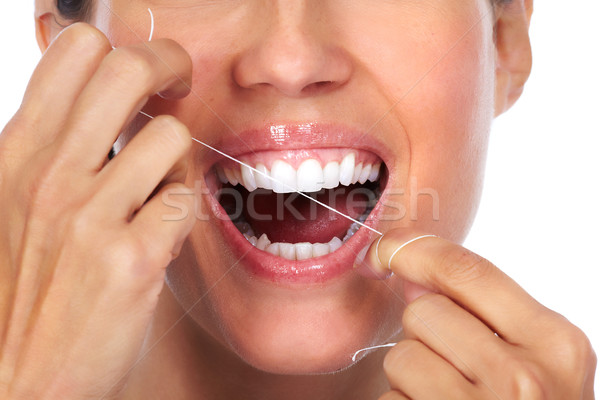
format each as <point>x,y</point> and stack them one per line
<point>303,343</point>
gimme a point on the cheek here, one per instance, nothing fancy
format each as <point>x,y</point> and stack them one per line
<point>442,92</point>
<point>449,138</point>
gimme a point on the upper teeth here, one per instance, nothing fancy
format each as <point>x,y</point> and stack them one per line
<point>309,177</point>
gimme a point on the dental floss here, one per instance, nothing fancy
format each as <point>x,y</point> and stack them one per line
<point>403,246</point>
<point>372,348</point>
<point>377,249</point>
<point>278,181</point>
<point>289,187</point>
<point>151,25</point>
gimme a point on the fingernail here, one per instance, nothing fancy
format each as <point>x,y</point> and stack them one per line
<point>363,266</point>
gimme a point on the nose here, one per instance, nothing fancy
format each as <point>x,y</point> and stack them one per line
<point>293,53</point>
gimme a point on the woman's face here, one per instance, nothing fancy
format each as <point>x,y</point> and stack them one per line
<point>407,83</point>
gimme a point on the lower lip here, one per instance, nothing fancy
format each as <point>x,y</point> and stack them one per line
<point>280,270</point>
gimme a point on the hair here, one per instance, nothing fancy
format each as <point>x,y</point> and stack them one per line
<point>79,10</point>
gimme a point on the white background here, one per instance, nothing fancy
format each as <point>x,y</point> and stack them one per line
<point>539,219</point>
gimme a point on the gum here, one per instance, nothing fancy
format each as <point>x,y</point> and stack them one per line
<point>295,157</point>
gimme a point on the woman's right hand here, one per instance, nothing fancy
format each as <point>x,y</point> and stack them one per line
<point>83,243</point>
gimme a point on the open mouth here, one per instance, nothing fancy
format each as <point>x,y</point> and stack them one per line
<point>279,222</point>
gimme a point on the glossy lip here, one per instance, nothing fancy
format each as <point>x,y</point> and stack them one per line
<point>288,137</point>
<point>295,136</point>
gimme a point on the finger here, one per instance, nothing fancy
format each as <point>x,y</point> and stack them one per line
<point>158,153</point>
<point>64,70</point>
<point>470,280</point>
<point>122,84</point>
<point>415,370</point>
<point>164,223</point>
<point>457,336</point>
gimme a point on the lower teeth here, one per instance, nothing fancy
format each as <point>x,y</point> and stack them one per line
<point>294,251</point>
<point>298,251</point>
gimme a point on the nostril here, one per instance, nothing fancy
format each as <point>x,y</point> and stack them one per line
<point>316,87</point>
<point>321,84</point>
<point>296,89</point>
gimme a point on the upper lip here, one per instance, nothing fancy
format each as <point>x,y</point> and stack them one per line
<point>292,136</point>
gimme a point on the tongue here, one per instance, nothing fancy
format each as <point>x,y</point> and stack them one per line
<point>292,218</point>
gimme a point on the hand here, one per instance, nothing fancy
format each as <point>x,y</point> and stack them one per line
<point>83,247</point>
<point>451,350</point>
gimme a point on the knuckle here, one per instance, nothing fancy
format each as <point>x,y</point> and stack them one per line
<point>133,66</point>
<point>525,383</point>
<point>84,38</point>
<point>82,225</point>
<point>123,257</point>
<point>127,256</point>
<point>575,351</point>
<point>462,265</point>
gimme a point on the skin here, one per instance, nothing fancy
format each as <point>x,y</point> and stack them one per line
<point>86,256</point>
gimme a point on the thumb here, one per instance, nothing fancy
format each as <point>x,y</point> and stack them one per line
<point>370,263</point>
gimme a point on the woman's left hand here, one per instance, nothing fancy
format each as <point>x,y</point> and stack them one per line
<point>479,335</point>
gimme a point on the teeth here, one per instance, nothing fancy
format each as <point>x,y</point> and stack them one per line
<point>284,177</point>
<point>364,175</point>
<point>295,251</point>
<point>310,177</point>
<point>357,172</point>
<point>263,242</point>
<point>231,177</point>
<point>248,179</point>
<point>351,231</point>
<point>320,249</point>
<point>347,169</point>
<point>221,175</point>
<point>335,244</point>
<point>374,175</point>
<point>238,175</point>
<point>303,251</point>
<point>261,180</point>
<point>287,250</point>
<point>331,175</point>
<point>273,248</point>
<point>252,239</point>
